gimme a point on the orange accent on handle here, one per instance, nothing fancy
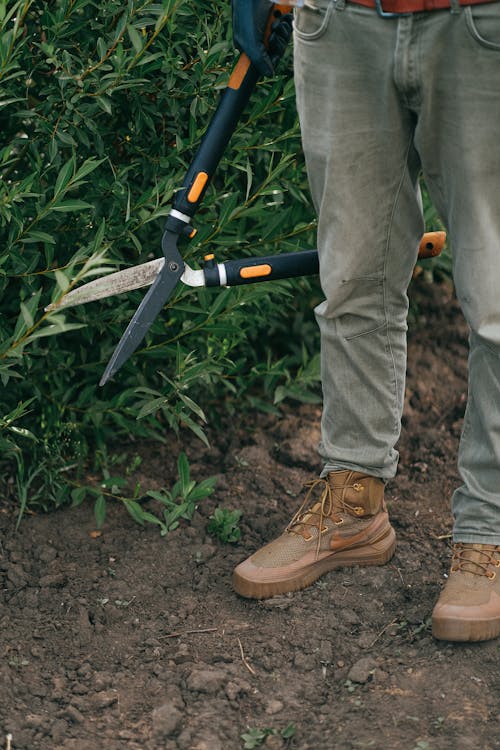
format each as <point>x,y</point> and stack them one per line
<point>239,72</point>
<point>197,187</point>
<point>283,7</point>
<point>251,272</point>
<point>209,256</point>
<point>431,244</point>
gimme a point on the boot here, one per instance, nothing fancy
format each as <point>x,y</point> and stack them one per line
<point>469,606</point>
<point>347,525</point>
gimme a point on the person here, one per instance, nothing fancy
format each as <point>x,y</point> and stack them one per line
<point>386,93</point>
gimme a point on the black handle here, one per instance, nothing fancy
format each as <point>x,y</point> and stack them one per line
<point>220,129</point>
<point>266,268</point>
<point>233,101</point>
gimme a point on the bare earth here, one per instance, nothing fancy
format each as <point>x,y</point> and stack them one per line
<point>135,641</point>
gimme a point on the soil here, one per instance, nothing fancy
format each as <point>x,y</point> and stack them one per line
<point>133,640</point>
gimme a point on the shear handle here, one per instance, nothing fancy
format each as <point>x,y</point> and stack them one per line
<point>219,131</point>
<point>265,268</point>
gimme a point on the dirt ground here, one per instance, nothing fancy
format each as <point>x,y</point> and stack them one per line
<point>135,641</point>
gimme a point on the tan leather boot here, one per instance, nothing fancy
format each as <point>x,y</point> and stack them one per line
<point>469,606</point>
<point>347,525</point>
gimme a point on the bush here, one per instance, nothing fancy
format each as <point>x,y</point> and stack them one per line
<point>103,105</point>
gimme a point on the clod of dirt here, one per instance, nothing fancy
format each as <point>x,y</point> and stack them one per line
<point>362,671</point>
<point>166,720</point>
<point>208,681</point>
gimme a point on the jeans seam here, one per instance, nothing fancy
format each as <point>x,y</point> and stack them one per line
<point>396,415</point>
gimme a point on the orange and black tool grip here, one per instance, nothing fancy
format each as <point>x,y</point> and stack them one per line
<point>266,268</point>
<point>219,131</point>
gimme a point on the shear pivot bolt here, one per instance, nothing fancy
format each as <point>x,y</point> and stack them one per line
<point>173,267</point>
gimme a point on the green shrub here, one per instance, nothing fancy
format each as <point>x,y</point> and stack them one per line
<point>102,107</point>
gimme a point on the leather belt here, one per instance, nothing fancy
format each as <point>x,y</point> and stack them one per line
<point>389,8</point>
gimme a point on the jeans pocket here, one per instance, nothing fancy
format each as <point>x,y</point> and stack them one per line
<point>311,23</point>
<point>483,24</point>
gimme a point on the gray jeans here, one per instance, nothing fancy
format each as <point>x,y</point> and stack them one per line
<point>380,101</point>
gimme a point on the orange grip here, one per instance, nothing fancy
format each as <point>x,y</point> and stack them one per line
<point>196,188</point>
<point>251,272</point>
<point>431,244</point>
<point>239,72</point>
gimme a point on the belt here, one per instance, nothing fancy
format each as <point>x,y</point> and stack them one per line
<point>389,8</point>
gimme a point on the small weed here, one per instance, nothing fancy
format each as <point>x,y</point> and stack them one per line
<point>223,525</point>
<point>255,737</point>
<point>351,687</point>
<point>179,503</point>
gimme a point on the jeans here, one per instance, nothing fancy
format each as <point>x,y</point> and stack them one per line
<point>381,101</point>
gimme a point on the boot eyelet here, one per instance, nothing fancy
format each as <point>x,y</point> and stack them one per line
<point>323,529</point>
<point>339,522</point>
<point>359,511</point>
<point>358,487</point>
<point>454,570</point>
<point>307,538</point>
<point>491,575</point>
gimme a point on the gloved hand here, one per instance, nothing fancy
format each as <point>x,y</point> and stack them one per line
<point>250,18</point>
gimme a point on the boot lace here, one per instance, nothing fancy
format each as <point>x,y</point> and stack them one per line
<point>330,502</point>
<point>473,559</point>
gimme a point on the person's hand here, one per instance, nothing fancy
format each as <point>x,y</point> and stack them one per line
<point>250,19</point>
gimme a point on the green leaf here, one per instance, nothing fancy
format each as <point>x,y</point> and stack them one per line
<point>62,280</point>
<point>64,177</point>
<point>135,511</point>
<point>35,235</point>
<point>288,732</point>
<point>27,316</point>
<point>183,469</point>
<point>135,38</point>
<point>78,495</point>
<point>192,406</point>
<point>71,205</point>
<point>100,510</point>
<point>88,166</point>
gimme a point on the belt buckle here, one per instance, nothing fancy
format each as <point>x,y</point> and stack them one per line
<point>386,14</point>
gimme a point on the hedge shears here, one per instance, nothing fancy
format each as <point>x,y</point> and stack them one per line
<point>165,273</point>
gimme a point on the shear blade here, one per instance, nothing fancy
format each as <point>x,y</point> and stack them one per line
<point>150,307</point>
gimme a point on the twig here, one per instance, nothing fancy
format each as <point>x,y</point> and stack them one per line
<point>9,740</point>
<point>393,622</point>
<point>398,571</point>
<point>441,536</point>
<point>243,659</point>
<point>189,632</point>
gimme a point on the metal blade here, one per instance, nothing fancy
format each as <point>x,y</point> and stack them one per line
<point>151,305</point>
<point>123,281</point>
<point>115,283</point>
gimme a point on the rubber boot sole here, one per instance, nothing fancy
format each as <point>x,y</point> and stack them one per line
<point>465,630</point>
<point>377,552</point>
